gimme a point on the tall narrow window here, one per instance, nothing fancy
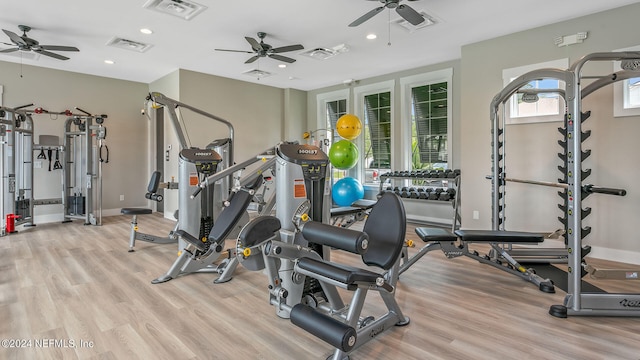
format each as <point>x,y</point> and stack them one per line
<point>377,135</point>
<point>334,110</point>
<point>429,126</point>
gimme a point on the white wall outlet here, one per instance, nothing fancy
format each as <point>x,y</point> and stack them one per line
<point>121,197</point>
<point>476,215</point>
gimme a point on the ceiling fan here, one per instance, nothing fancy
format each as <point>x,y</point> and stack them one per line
<point>260,49</point>
<point>25,43</point>
<point>406,11</point>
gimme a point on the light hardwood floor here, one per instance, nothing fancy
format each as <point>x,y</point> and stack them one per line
<point>70,282</point>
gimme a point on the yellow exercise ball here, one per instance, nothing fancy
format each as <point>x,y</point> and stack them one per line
<point>349,126</point>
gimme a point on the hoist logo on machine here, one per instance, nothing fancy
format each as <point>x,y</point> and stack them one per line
<point>202,154</point>
<point>308,151</point>
<point>630,303</point>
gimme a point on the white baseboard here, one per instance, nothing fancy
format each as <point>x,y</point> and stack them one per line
<point>58,217</point>
<point>624,256</point>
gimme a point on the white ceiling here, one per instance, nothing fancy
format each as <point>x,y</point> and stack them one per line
<point>177,43</point>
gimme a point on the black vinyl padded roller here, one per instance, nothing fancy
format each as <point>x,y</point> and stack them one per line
<point>337,237</point>
<point>334,332</point>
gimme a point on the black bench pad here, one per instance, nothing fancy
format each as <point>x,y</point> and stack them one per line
<point>356,207</point>
<point>338,272</point>
<point>364,203</point>
<point>135,211</point>
<point>491,236</point>
<point>435,234</point>
<point>345,210</point>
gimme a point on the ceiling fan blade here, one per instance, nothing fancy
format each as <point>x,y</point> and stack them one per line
<point>240,51</point>
<point>59,48</point>
<point>287,48</point>
<point>252,59</point>
<point>366,16</point>
<point>15,37</point>
<point>409,14</point>
<point>255,45</point>
<point>50,54</point>
<point>282,58</point>
<point>9,50</point>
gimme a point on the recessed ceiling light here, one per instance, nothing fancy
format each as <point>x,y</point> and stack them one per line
<point>146,31</point>
<point>110,62</point>
<point>282,66</point>
<point>371,36</point>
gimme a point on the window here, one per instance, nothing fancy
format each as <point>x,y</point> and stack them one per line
<point>334,110</point>
<point>330,107</point>
<point>429,126</point>
<point>546,106</point>
<point>374,107</point>
<point>626,93</point>
<point>631,89</point>
<point>426,114</point>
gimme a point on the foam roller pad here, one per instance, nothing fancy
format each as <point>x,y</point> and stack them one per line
<point>337,237</point>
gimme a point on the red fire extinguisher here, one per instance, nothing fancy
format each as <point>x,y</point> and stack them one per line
<point>11,223</point>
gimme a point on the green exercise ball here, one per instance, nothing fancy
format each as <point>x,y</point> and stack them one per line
<point>343,154</point>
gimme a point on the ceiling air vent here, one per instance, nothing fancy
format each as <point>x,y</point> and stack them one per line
<point>258,74</point>
<point>322,53</point>
<point>180,8</point>
<point>428,21</point>
<point>128,44</point>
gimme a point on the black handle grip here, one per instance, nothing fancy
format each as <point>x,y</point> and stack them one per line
<point>603,190</point>
<point>195,193</point>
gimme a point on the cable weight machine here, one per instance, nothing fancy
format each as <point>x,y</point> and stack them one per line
<point>16,169</point>
<point>85,153</point>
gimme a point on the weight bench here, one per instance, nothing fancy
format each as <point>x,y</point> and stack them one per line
<point>345,216</point>
<point>456,244</point>
<point>151,194</point>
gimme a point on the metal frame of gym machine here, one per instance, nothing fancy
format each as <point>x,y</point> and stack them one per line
<point>213,192</point>
<point>576,302</point>
<point>82,182</point>
<point>16,170</point>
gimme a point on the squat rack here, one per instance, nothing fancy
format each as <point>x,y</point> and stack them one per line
<point>576,301</point>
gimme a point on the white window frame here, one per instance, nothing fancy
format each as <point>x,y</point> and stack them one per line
<point>358,95</point>
<point>512,73</point>
<point>406,86</point>
<point>620,95</point>
<point>321,119</point>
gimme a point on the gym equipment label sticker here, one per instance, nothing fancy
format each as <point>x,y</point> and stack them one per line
<point>299,191</point>
<point>193,179</point>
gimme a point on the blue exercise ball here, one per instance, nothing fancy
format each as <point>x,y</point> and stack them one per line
<point>347,190</point>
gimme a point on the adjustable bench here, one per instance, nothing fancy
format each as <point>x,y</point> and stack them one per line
<point>345,216</point>
<point>455,244</point>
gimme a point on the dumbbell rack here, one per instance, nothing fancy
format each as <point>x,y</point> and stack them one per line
<point>427,189</point>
